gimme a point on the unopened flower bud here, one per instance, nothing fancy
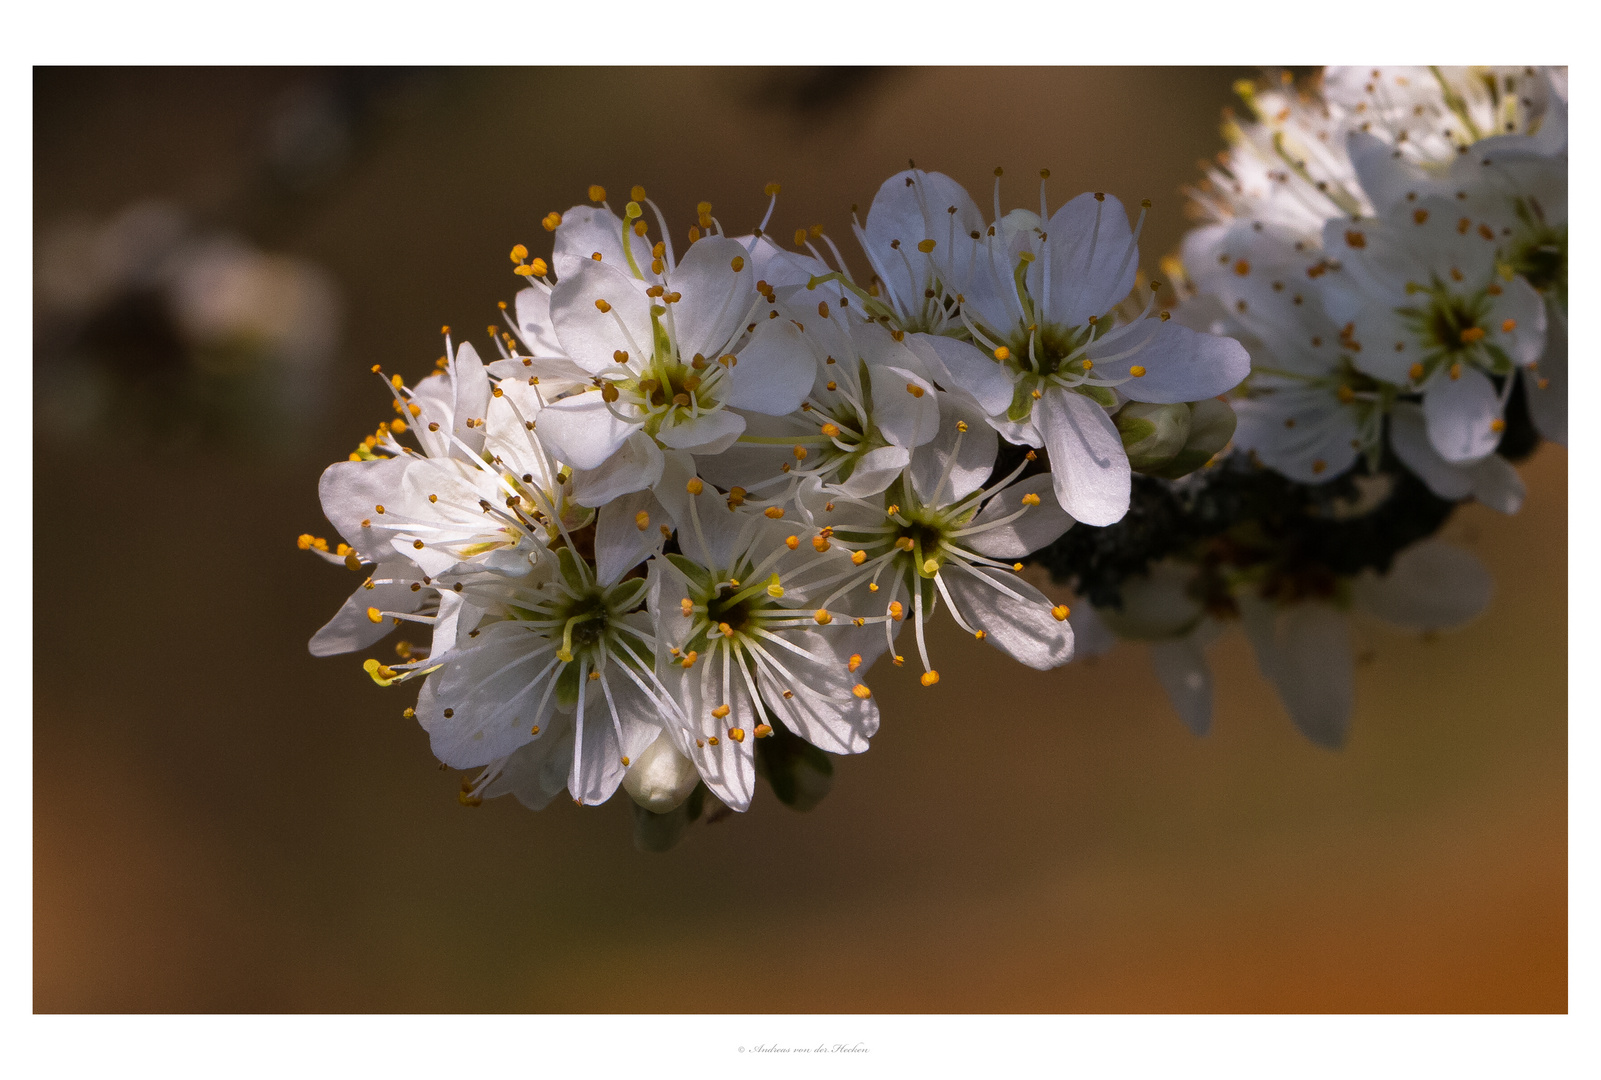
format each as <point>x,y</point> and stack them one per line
<point>1211,427</point>
<point>661,778</point>
<point>1152,434</point>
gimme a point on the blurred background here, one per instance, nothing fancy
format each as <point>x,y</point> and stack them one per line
<point>223,823</point>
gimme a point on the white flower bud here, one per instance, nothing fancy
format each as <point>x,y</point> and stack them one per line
<point>661,778</point>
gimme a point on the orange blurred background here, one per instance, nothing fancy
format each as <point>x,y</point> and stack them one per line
<point>223,823</point>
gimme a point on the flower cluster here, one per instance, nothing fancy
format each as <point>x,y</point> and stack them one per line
<point>659,540</point>
<point>1390,245</point>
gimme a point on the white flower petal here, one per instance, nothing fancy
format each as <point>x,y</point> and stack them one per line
<point>351,628</point>
<point>774,372</point>
<point>623,539</point>
<point>581,431</point>
<point>494,689</point>
<point>1409,438</point>
<point>708,433</point>
<point>716,298</point>
<point>957,365</point>
<point>351,492</point>
<point>1548,403</point>
<point>1461,413</point>
<point>1092,257</point>
<point>1496,484</point>
<point>1088,462</point>
<point>597,766</point>
<point>636,465</point>
<point>589,230</point>
<point>1038,526</point>
<point>822,708</point>
<point>1431,585</point>
<point>1305,652</point>
<point>590,337</point>
<point>1179,363</point>
<point>1015,617</point>
<point>973,450</point>
<point>1181,667</point>
<point>534,325</point>
<point>536,772</point>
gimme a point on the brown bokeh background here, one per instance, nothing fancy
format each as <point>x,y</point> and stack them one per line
<point>224,823</point>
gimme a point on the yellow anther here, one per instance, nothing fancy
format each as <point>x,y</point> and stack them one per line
<point>593,675</point>
<point>858,557</point>
<point>540,267</point>
<point>304,541</point>
<point>518,253</point>
<point>597,193</point>
<point>820,543</point>
<point>792,542</point>
<point>1035,394</point>
<point>418,544</point>
<point>833,385</point>
<point>1031,499</point>
<point>1345,394</point>
<point>687,606</point>
<point>1003,353</point>
<point>930,565</point>
<point>872,586</point>
<point>636,193</point>
<point>1456,371</point>
<point>800,237</point>
<point>396,381</point>
<point>925,246</point>
<point>1137,371</point>
<point>896,611</point>
<point>689,658</point>
<point>602,306</point>
<point>799,452</point>
<point>822,617</point>
<point>551,221</point>
<point>642,521</point>
<point>905,543</point>
<point>774,589</point>
<point>1498,425</point>
<point>929,678</point>
<point>724,629</point>
<point>1087,364</point>
<point>1509,325</point>
<point>1472,334</point>
<point>897,660</point>
<point>1416,372</point>
<point>703,208</point>
<point>737,734</point>
<point>1242,267</point>
<point>861,691</point>
<point>1060,612</point>
<point>374,615</point>
<point>961,426</point>
<point>771,189</point>
<point>695,486</point>
<point>762,731</point>
<point>854,662</point>
<point>774,512</point>
<point>978,635</point>
<point>914,390</point>
<point>720,712</point>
